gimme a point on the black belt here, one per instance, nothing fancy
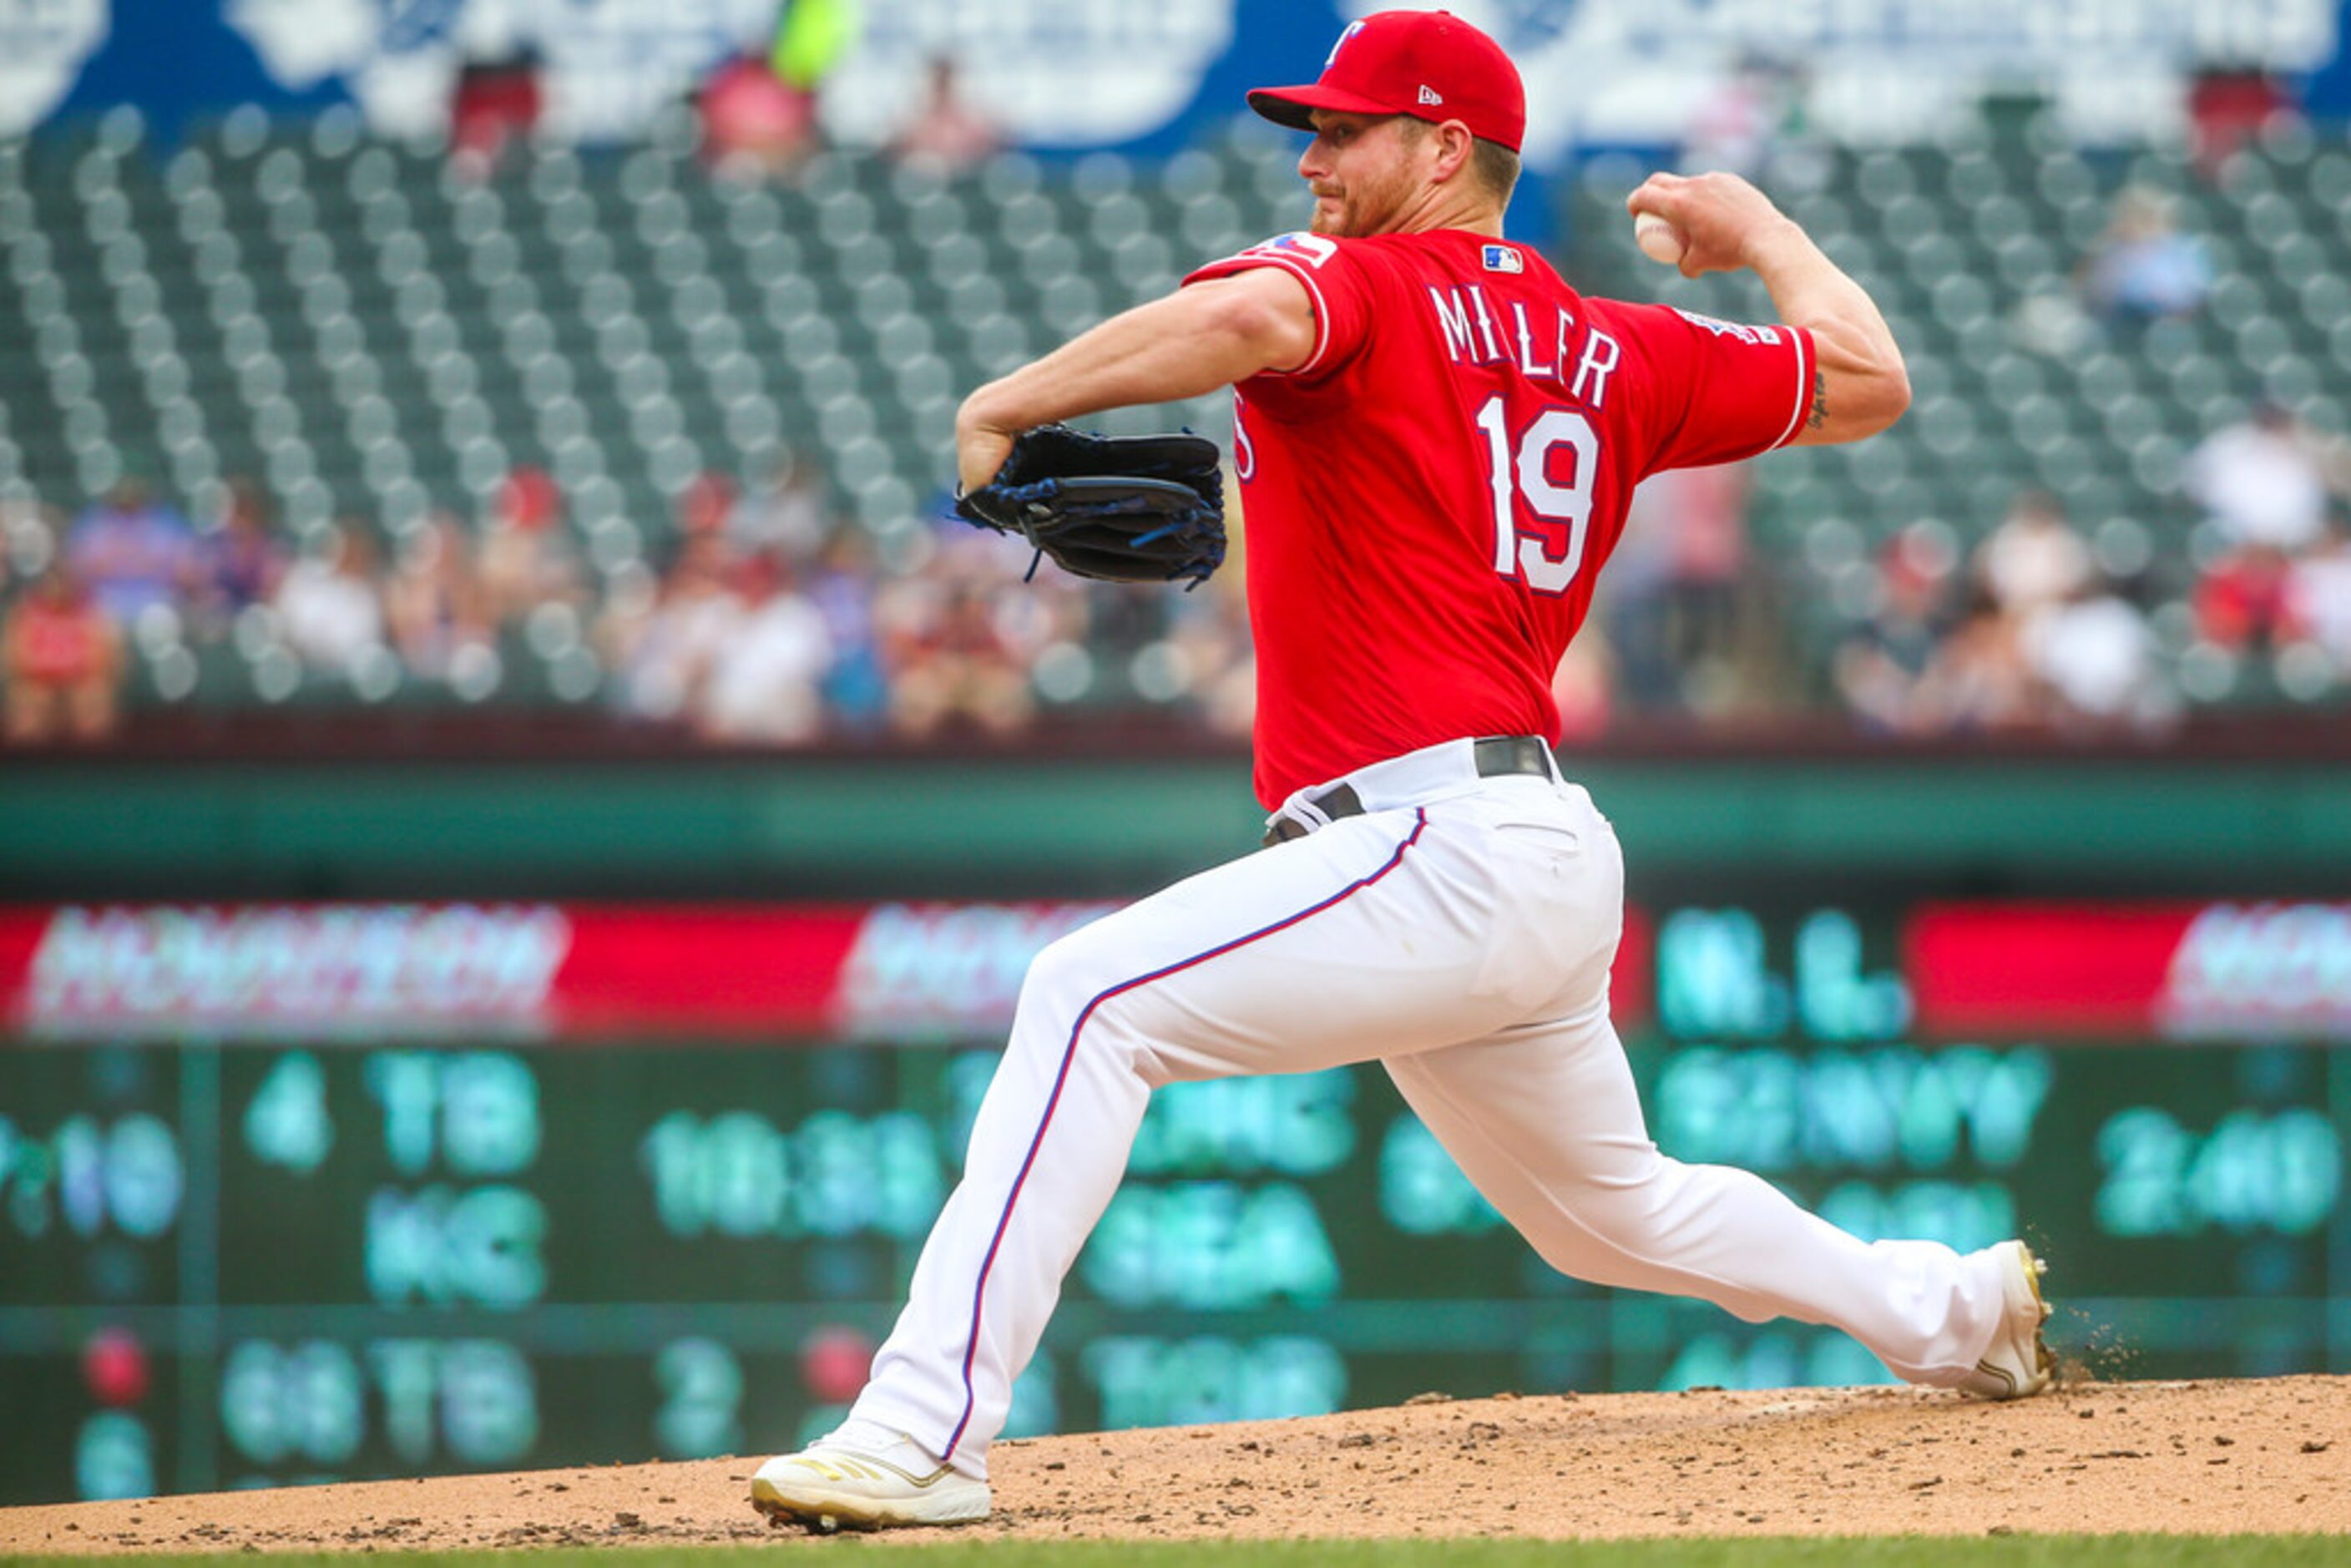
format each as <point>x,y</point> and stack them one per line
<point>1496,755</point>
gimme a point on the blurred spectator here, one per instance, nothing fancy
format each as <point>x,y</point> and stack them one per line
<point>1211,632</point>
<point>1730,128</point>
<point>434,604</point>
<point>787,511</point>
<point>2227,108</point>
<point>2033,557</point>
<point>766,680</point>
<point>2050,323</point>
<point>754,124</point>
<point>1754,112</point>
<point>842,588</point>
<point>1708,568</point>
<point>133,551</point>
<point>1882,668</point>
<point>1633,599</point>
<point>1979,680</point>
<point>525,559</point>
<point>1674,595</point>
<point>331,607</point>
<point>2143,265</point>
<point>2318,597</point>
<point>704,504</point>
<point>2260,481</point>
<point>240,561</point>
<point>812,36</point>
<point>2095,656</point>
<point>29,532</point>
<point>64,663</point>
<point>2240,600</point>
<point>632,597</point>
<point>946,131</point>
<point>495,104</point>
<point>665,656</point>
<point>951,663</point>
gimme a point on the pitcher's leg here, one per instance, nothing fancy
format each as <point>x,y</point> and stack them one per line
<point>975,1307</point>
<point>1545,1121</point>
<point>1356,942</point>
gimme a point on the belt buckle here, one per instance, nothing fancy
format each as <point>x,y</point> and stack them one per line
<point>1497,756</point>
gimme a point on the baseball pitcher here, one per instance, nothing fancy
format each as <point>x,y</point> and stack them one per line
<point>1437,439</point>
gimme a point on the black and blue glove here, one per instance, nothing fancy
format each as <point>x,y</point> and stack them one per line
<point>1119,508</point>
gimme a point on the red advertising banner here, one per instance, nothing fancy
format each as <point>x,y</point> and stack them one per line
<point>889,971</point>
<point>930,971</point>
<point>2181,971</point>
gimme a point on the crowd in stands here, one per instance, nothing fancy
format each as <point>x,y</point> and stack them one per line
<point>764,616</point>
<point>2038,628</point>
<point>770,620</point>
<point>2277,575</point>
<point>2028,631</point>
<point>766,621</point>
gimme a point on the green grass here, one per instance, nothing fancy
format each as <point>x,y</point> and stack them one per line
<point>945,1552</point>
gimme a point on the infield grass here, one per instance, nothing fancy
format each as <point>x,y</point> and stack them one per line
<point>1773,1551</point>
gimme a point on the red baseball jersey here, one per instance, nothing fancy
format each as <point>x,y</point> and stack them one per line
<point>1429,498</point>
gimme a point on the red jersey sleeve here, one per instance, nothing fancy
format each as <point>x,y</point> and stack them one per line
<point>1337,284</point>
<point>1713,392</point>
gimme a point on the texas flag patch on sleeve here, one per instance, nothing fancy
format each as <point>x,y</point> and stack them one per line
<point>1504,258</point>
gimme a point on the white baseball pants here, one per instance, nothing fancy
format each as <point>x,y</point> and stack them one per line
<point>1460,931</point>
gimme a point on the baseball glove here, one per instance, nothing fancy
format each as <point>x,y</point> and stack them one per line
<point>1121,509</point>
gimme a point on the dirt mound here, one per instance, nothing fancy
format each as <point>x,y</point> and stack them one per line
<point>2183,1456</point>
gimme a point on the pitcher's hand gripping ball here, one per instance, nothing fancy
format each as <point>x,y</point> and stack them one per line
<point>1658,240</point>
<point>1121,509</point>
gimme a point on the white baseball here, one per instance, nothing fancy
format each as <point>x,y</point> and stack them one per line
<point>1658,240</point>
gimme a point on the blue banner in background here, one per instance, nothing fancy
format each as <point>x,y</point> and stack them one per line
<point>1071,75</point>
<point>1058,73</point>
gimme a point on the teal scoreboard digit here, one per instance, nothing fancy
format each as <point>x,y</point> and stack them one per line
<point>227,1263</point>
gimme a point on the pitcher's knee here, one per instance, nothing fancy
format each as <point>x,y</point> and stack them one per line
<point>1068,976</point>
<point>1633,1215</point>
<point>1075,987</point>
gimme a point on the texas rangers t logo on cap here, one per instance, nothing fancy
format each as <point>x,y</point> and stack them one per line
<point>1332,59</point>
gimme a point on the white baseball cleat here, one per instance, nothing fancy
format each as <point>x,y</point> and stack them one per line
<point>2018,1364</point>
<point>866,1476</point>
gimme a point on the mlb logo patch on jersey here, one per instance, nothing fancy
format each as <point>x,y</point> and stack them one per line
<point>1504,258</point>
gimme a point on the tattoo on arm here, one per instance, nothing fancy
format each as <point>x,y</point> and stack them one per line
<point>1820,400</point>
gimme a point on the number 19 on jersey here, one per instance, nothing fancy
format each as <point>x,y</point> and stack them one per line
<point>1528,470</point>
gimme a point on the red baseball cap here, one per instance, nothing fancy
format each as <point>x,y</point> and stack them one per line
<point>1431,65</point>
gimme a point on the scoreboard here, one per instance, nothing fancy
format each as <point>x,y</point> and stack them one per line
<point>330,1192</point>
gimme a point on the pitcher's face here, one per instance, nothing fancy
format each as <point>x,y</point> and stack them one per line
<point>1362,170</point>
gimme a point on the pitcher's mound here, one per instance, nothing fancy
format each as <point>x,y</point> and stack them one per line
<point>2200,1457</point>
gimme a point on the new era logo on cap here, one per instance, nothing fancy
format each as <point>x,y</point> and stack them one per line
<point>1428,95</point>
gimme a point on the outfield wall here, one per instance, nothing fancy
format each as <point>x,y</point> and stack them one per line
<point>882,825</point>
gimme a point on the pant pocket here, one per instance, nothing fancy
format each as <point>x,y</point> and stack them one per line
<point>1547,922</point>
<point>1554,838</point>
